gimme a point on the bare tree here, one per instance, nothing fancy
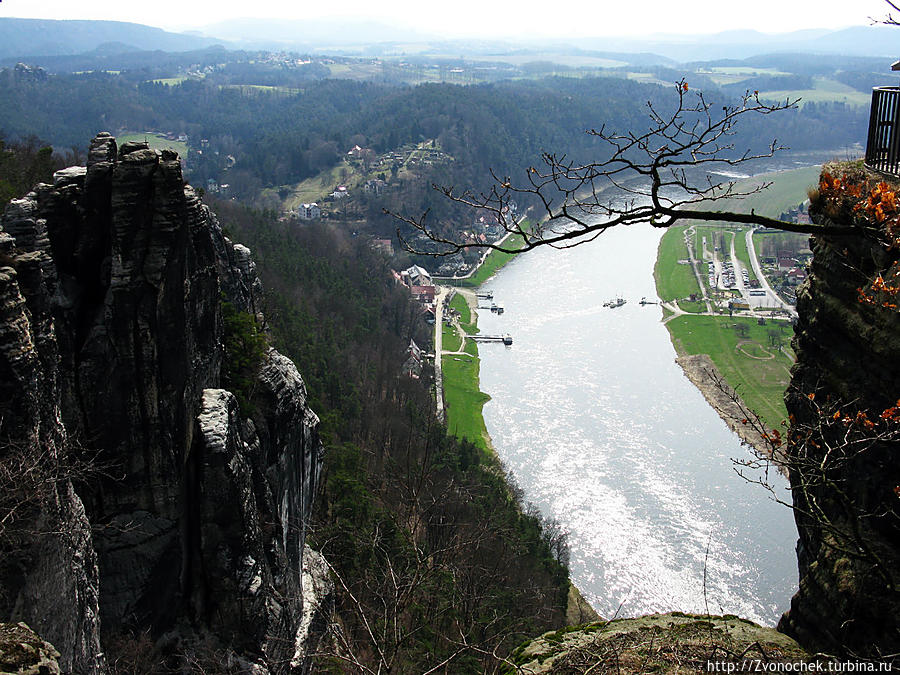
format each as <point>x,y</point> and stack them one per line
<point>889,19</point>
<point>824,456</point>
<point>660,176</point>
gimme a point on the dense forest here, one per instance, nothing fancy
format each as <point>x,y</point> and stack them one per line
<point>435,554</point>
<point>281,136</point>
<point>25,163</point>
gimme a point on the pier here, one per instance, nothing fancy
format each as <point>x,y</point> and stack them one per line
<point>505,339</point>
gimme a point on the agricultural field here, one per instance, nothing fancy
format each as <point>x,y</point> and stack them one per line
<point>156,141</point>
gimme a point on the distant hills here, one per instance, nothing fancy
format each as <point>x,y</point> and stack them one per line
<point>880,41</point>
<point>24,38</point>
<point>21,38</point>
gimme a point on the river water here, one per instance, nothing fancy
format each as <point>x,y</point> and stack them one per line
<point>604,432</point>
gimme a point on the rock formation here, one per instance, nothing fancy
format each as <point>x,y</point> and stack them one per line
<point>672,643</point>
<point>847,375</point>
<point>171,510</point>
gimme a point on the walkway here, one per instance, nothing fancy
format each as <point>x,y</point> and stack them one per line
<point>441,293</point>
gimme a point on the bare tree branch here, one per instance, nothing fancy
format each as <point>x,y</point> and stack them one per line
<point>649,177</point>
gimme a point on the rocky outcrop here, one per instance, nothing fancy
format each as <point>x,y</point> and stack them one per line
<point>111,333</point>
<point>842,451</point>
<point>24,652</point>
<point>661,643</point>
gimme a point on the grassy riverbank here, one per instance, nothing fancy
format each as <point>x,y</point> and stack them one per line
<point>463,398</point>
<point>754,359</point>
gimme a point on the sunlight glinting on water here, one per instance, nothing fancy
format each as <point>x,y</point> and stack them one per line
<point>604,433</point>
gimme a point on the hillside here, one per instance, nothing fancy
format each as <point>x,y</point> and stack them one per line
<point>20,38</point>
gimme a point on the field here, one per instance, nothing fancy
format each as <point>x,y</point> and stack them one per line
<point>787,190</point>
<point>824,90</point>
<point>353,175</point>
<point>451,341</point>
<point>740,249</point>
<point>156,142</point>
<point>493,262</point>
<point>463,400</point>
<point>754,362</point>
<point>673,280</point>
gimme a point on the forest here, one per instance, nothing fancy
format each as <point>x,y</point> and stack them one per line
<point>436,555</point>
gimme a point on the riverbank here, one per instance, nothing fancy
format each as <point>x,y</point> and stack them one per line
<point>463,399</point>
<point>464,402</point>
<point>749,351</point>
<point>704,375</point>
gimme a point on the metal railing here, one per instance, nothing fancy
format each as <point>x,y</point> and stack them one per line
<point>883,144</point>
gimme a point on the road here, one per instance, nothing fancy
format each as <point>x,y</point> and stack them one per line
<point>771,298</point>
<point>441,293</point>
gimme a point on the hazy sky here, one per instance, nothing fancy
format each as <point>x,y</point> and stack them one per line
<point>482,17</point>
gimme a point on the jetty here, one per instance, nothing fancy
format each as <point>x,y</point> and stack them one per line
<point>505,339</point>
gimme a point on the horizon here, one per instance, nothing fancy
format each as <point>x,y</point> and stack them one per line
<point>658,20</point>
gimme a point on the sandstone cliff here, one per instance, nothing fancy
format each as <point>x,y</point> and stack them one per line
<point>842,450</point>
<point>164,508</point>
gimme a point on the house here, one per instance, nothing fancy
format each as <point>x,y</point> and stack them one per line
<point>786,264</point>
<point>374,186</point>
<point>423,294</point>
<point>414,350</point>
<point>416,276</point>
<point>796,276</point>
<point>340,192</point>
<point>309,211</point>
<point>412,367</point>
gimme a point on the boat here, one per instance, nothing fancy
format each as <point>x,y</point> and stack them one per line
<point>616,302</point>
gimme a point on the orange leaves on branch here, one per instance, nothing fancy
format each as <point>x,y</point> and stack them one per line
<point>773,438</point>
<point>892,414</point>
<point>883,292</point>
<point>854,195</point>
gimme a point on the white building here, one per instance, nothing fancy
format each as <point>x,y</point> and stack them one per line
<point>309,211</point>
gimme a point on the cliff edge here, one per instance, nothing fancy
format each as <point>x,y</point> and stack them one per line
<point>845,426</point>
<point>151,500</point>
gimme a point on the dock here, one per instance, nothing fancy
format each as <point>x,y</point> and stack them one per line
<point>505,339</point>
<point>487,295</point>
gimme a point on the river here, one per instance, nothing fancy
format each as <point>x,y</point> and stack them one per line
<point>604,432</point>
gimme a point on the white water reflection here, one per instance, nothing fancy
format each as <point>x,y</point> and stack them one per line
<point>604,432</point>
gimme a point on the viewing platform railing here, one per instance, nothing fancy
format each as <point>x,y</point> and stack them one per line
<point>883,144</point>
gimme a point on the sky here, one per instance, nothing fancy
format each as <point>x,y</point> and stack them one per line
<point>522,18</point>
